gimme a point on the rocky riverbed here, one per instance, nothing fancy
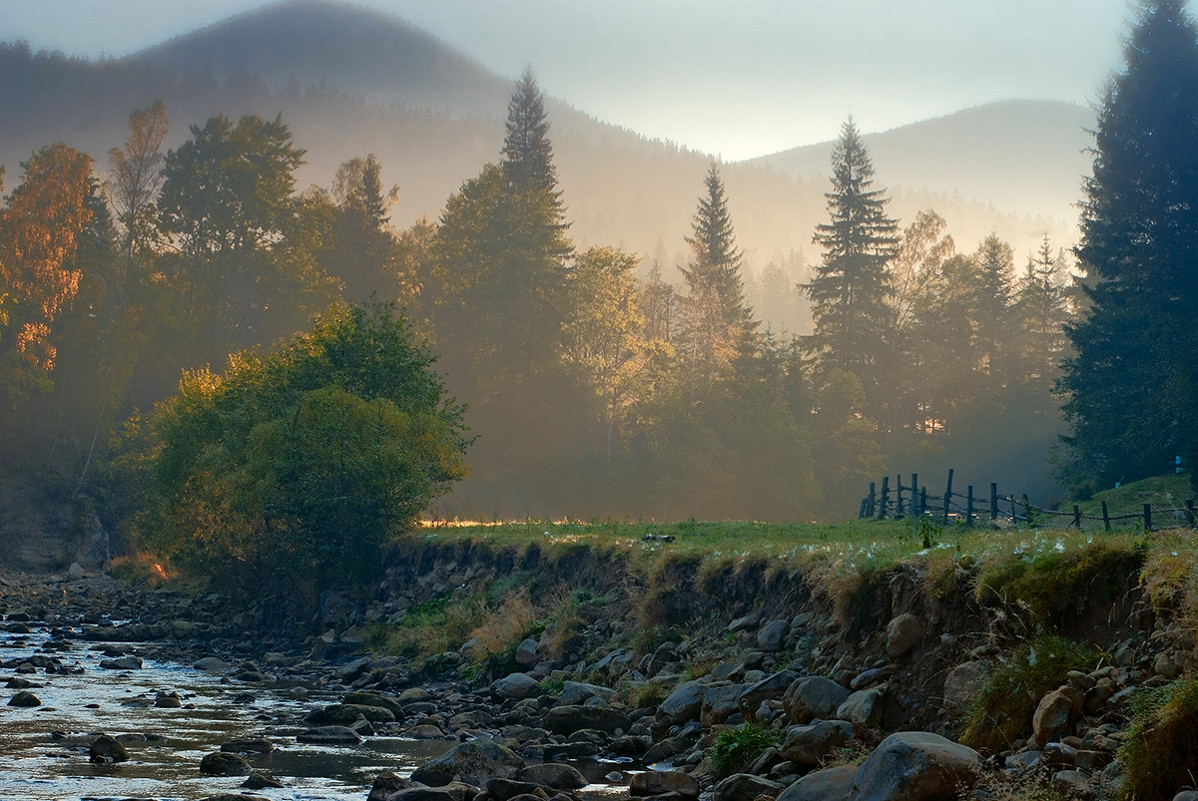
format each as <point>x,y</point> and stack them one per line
<point>859,705</point>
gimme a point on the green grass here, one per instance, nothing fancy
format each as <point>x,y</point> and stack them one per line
<point>735,750</point>
<point>1161,750</point>
<point>1163,492</point>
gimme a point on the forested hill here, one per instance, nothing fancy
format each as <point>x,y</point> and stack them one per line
<point>350,81</point>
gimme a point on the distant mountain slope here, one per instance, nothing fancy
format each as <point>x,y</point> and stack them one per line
<point>350,81</point>
<point>1019,155</point>
<point>363,52</point>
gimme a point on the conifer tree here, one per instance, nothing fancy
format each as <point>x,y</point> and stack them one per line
<point>1132,386</point>
<point>717,324</point>
<point>852,285</point>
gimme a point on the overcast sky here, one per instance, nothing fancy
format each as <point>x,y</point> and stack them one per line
<point>735,78</point>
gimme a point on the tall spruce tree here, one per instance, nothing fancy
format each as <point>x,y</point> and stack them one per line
<point>851,288</point>
<point>1132,385</point>
<point>717,324</point>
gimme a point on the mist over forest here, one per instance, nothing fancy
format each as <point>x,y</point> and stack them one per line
<point>636,330</point>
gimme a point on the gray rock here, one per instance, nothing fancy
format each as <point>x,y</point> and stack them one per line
<point>576,693</point>
<point>425,731</point>
<point>212,664</point>
<point>772,636</point>
<point>527,653</point>
<point>503,789</point>
<point>25,699</point>
<point>121,663</point>
<point>374,699</point>
<point>833,784</point>
<point>963,683</point>
<point>221,763</point>
<point>346,714</point>
<point>902,634</point>
<point>681,706</point>
<point>1054,713</point>
<point>105,749</point>
<point>659,782</point>
<point>569,719</point>
<point>667,748</point>
<point>720,703</point>
<point>417,793</point>
<point>76,572</point>
<point>516,685</point>
<point>415,695</point>
<point>329,735</point>
<point>260,780</point>
<point>744,787</point>
<point>473,762</point>
<point>387,784</point>
<point>555,775</point>
<point>812,697</point>
<point>863,707</point>
<point>916,766</point>
<point>767,689</point>
<point>810,745</point>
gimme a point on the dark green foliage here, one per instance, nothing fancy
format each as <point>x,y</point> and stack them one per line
<point>1132,386</point>
<point>736,750</point>
<point>1160,753</point>
<point>1003,711</point>
<point>293,468</point>
<point>851,287</point>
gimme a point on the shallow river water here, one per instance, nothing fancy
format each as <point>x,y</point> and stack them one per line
<point>44,750</point>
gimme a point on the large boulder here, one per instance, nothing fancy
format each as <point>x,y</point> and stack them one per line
<point>902,634</point>
<point>346,714</point>
<point>767,689</point>
<point>863,707</point>
<point>472,762</point>
<point>418,793</point>
<point>772,636</point>
<point>374,699</point>
<point>917,766</point>
<point>222,763</point>
<point>660,782</point>
<point>1055,712</point>
<point>554,775</point>
<point>744,787</point>
<point>720,703</point>
<point>963,683</point>
<point>810,745</point>
<point>681,706</point>
<point>576,693</point>
<point>516,685</point>
<point>832,784</point>
<point>329,735</point>
<point>105,749</point>
<point>812,697</point>
<point>25,699</point>
<point>569,719</point>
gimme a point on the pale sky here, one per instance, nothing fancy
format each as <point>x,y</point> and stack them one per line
<point>734,78</point>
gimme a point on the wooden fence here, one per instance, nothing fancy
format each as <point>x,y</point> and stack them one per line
<point>969,508</point>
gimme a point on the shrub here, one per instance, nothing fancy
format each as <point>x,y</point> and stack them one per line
<point>736,749</point>
<point>1003,711</point>
<point>1161,750</point>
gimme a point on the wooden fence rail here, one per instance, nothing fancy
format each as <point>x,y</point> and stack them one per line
<point>913,500</point>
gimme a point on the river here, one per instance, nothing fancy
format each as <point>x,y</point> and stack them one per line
<point>44,749</point>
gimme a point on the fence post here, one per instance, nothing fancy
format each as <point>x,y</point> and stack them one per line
<point>923,500</point>
<point>1077,516</point>
<point>861,511</point>
<point>948,495</point>
<point>993,502</point>
<point>885,497</point>
<point>969,506</point>
<point>915,494</point>
<point>1027,509</point>
<point>898,509</point>
<point>1190,512</point>
<point>869,512</point>
<point>1106,518</point>
<point>1014,514</point>
<point>1148,517</point>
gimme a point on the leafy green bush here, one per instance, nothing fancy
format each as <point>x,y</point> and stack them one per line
<point>736,749</point>
<point>1003,711</point>
<point>1160,754</point>
<point>292,468</point>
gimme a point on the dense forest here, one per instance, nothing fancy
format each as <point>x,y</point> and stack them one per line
<point>573,381</point>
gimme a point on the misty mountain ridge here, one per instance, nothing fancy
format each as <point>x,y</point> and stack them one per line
<point>351,81</point>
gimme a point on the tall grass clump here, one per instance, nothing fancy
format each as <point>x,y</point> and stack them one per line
<point>1160,754</point>
<point>1003,710</point>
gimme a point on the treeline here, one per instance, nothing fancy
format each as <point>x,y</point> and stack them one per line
<point>593,387</point>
